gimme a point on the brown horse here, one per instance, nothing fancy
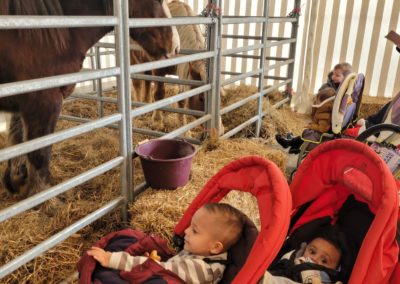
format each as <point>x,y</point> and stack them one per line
<point>36,53</point>
<point>191,38</point>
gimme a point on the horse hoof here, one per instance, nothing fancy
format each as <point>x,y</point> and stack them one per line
<point>15,177</point>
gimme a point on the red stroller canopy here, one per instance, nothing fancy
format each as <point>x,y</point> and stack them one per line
<point>343,167</point>
<point>265,181</point>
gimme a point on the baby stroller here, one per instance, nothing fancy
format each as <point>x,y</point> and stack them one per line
<point>345,111</point>
<point>384,138</point>
<point>250,257</point>
<point>254,252</point>
<point>344,182</point>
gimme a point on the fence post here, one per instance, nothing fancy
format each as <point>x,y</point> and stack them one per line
<point>292,48</point>
<point>121,8</point>
<point>214,43</point>
<point>262,65</point>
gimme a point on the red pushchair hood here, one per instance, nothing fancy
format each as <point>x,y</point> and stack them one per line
<point>265,181</point>
<point>332,172</point>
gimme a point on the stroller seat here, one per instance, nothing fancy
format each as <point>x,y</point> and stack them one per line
<point>345,111</point>
<point>247,259</point>
<point>265,181</point>
<point>345,182</point>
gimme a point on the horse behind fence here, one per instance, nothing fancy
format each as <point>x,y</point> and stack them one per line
<point>36,53</point>
<point>191,38</point>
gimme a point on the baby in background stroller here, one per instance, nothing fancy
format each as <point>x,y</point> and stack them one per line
<point>322,107</point>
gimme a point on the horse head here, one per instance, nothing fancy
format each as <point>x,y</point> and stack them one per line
<point>156,41</point>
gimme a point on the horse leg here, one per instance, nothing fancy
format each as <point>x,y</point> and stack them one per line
<point>159,94</point>
<point>29,174</point>
<point>16,173</point>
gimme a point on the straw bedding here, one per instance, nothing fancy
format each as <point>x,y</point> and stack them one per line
<point>154,211</point>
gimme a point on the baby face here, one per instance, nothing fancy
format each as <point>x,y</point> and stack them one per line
<point>337,76</point>
<point>323,253</point>
<point>200,238</point>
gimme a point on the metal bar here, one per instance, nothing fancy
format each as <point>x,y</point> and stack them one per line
<point>239,127</point>
<point>214,43</point>
<point>167,101</point>
<point>175,21</point>
<point>241,20</point>
<point>167,80</point>
<point>169,62</point>
<point>280,103</point>
<point>140,188</point>
<point>292,48</point>
<point>262,67</point>
<point>175,110</point>
<point>187,127</point>
<point>278,65</point>
<point>273,20</point>
<point>30,22</point>
<point>274,87</point>
<point>139,104</point>
<point>281,42</point>
<point>241,77</point>
<point>276,77</point>
<point>99,86</point>
<point>252,37</point>
<point>161,134</point>
<point>28,86</point>
<point>79,93</point>
<point>122,41</point>
<point>241,49</point>
<point>47,194</point>
<point>254,76</point>
<point>59,237</point>
<point>34,144</point>
<point>240,103</point>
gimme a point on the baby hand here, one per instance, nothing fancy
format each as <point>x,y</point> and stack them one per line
<point>102,256</point>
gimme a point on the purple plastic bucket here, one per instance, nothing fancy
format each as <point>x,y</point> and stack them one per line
<point>166,163</point>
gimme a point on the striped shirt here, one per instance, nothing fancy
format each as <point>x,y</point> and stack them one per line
<point>190,268</point>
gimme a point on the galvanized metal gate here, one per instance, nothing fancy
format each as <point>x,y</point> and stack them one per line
<point>216,31</point>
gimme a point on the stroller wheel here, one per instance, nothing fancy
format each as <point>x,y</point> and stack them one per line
<point>377,129</point>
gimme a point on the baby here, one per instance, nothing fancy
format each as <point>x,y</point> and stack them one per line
<point>315,262</point>
<point>337,75</point>
<point>321,114</point>
<point>214,228</point>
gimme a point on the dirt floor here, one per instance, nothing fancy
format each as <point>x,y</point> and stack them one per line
<point>153,211</point>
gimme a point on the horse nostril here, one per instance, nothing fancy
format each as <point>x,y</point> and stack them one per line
<point>177,50</point>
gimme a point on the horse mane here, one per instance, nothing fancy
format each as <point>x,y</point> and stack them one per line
<point>57,37</point>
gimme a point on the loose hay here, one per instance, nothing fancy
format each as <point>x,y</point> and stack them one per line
<point>371,105</point>
<point>275,121</point>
